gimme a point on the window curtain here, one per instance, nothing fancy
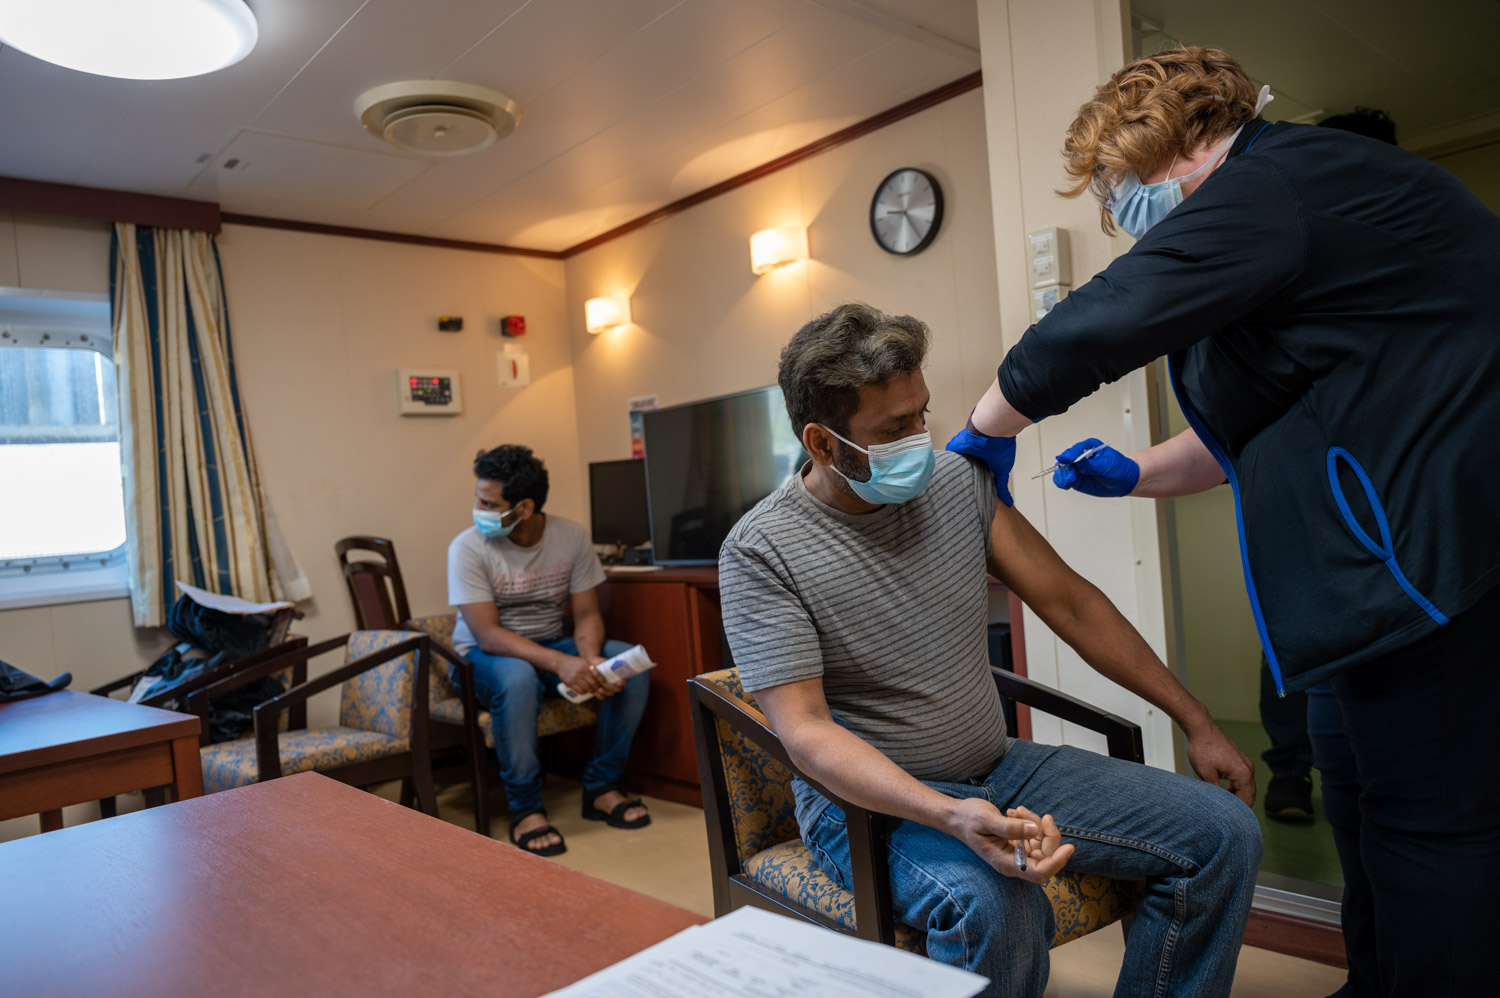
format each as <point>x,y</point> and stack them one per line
<point>194,508</point>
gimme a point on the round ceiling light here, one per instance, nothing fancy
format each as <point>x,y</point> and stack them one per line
<point>154,40</point>
<point>437,117</point>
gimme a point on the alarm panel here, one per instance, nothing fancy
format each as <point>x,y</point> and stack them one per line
<point>426,392</point>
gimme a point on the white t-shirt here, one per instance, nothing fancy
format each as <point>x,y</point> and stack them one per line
<point>529,585</point>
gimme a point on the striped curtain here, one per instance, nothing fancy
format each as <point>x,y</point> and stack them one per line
<point>194,506</point>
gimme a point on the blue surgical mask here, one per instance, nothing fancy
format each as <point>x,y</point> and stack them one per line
<point>1137,206</point>
<point>898,471</point>
<point>492,524</point>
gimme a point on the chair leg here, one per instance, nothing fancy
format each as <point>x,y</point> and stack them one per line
<point>481,785</point>
<point>406,792</point>
<point>108,807</point>
<point>155,796</point>
<point>421,779</point>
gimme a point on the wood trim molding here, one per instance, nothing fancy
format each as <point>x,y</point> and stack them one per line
<point>890,116</point>
<point>1307,938</point>
<point>179,213</point>
<point>292,225</point>
<point>44,198</point>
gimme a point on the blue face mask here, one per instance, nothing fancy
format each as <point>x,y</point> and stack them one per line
<point>899,471</point>
<point>493,524</point>
<point>1137,206</point>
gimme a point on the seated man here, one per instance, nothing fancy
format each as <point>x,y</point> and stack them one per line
<point>509,575</point>
<point>854,600</point>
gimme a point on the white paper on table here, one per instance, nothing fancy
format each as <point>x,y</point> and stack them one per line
<point>751,953</point>
<point>227,604</point>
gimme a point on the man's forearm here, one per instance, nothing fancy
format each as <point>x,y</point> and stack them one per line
<point>1115,649</point>
<point>588,635</point>
<point>858,772</point>
<point>1180,466</point>
<point>499,641</point>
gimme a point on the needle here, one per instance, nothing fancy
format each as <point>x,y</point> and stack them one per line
<point>1086,454</point>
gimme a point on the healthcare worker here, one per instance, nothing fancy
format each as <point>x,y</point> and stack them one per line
<point>1330,309</point>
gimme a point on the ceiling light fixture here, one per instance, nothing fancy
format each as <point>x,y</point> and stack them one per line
<point>437,117</point>
<point>160,40</point>
<point>772,248</point>
<point>600,314</point>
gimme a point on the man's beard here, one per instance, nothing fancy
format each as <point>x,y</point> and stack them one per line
<point>852,464</point>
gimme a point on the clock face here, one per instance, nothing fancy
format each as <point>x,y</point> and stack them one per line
<point>906,211</point>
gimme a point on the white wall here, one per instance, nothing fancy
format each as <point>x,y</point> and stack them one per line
<point>1041,61</point>
<point>704,325</point>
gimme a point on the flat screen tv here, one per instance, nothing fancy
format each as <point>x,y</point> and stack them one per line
<point>617,501</point>
<point>708,463</point>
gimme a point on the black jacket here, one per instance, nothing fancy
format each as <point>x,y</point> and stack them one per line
<point>1331,308</point>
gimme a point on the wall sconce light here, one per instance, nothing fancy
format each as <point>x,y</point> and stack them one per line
<point>772,248</point>
<point>600,314</point>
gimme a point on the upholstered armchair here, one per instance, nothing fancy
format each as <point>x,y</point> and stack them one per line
<point>455,714</point>
<point>756,853</point>
<point>382,729</point>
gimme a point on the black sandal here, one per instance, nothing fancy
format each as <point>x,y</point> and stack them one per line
<point>614,818</point>
<point>526,838</point>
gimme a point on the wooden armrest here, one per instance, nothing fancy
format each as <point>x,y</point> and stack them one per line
<point>868,847</point>
<point>1123,737</point>
<point>267,754</point>
<point>118,684</point>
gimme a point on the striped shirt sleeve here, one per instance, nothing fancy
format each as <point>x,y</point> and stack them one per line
<point>771,636</point>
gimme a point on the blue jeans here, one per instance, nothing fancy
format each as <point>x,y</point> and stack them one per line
<point>1196,846</point>
<point>512,691</point>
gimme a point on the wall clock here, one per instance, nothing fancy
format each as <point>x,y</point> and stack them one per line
<point>907,211</point>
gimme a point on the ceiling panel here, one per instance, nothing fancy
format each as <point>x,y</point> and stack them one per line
<point>387,41</point>
<point>537,212</point>
<point>53,118</point>
<point>292,170</point>
<point>153,145</point>
<point>545,43</point>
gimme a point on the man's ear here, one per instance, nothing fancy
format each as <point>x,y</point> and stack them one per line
<point>524,509</point>
<point>819,443</point>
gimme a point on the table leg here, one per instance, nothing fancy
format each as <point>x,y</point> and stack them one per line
<point>52,820</point>
<point>187,768</point>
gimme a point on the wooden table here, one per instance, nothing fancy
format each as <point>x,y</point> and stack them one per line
<point>69,747</point>
<point>303,885</point>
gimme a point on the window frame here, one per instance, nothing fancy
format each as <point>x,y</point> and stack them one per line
<point>86,575</point>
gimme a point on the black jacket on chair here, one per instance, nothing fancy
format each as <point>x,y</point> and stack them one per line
<point>1330,305</point>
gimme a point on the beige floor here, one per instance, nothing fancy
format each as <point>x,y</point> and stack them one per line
<point>669,860</point>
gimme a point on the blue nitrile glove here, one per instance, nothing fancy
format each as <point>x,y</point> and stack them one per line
<point>997,452</point>
<point>1106,474</point>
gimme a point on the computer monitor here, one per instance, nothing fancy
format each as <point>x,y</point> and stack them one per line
<point>619,513</point>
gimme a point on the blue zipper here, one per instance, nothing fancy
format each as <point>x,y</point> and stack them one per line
<point>1239,517</point>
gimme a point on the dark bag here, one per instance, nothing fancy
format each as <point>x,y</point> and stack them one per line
<point>18,685</point>
<point>210,638</point>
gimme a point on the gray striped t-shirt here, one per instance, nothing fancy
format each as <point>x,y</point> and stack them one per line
<point>889,608</point>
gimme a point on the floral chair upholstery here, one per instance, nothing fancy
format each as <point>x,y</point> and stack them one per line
<point>770,852</point>
<point>375,722</point>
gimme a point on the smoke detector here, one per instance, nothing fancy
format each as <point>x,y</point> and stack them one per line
<point>437,117</point>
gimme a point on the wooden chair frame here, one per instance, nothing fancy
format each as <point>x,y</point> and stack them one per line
<point>392,597</point>
<point>413,767</point>
<point>471,737</point>
<point>868,845</point>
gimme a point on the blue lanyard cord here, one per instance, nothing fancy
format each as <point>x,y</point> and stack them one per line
<point>1255,136</point>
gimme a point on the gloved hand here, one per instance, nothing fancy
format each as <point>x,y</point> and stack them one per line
<point>997,452</point>
<point>1106,474</point>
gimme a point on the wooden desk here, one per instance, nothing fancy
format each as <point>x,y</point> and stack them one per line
<point>675,613</point>
<point>303,885</point>
<point>69,747</point>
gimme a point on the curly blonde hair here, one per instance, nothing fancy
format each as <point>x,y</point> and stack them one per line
<point>1152,109</point>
